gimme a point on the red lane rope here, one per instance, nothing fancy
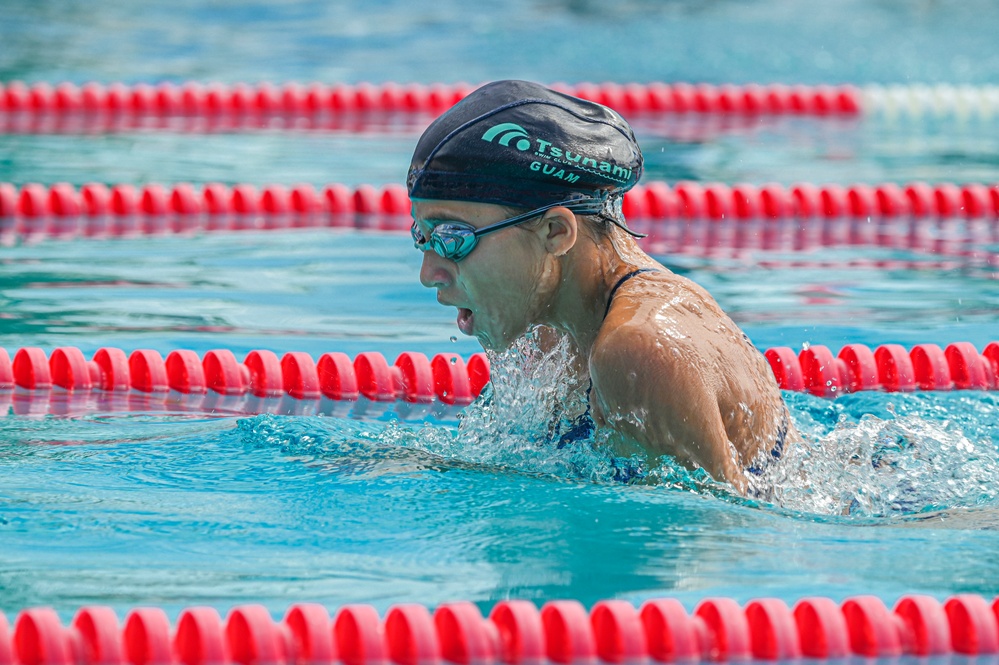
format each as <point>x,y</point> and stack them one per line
<point>515,632</point>
<point>688,238</point>
<point>414,377</point>
<point>653,200</point>
<point>736,240</point>
<point>449,379</point>
<point>295,99</point>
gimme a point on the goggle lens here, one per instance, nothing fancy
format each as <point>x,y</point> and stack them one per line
<point>451,240</point>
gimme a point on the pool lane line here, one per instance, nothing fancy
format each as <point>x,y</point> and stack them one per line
<point>515,632</point>
<point>651,200</point>
<point>413,377</point>
<point>949,244</point>
<point>294,99</point>
<point>446,378</point>
<point>215,99</point>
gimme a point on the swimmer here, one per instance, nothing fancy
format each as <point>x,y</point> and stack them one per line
<point>516,195</point>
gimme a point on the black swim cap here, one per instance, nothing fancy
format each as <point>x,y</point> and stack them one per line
<point>519,144</point>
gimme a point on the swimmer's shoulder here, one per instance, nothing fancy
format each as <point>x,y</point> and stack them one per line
<point>632,356</point>
<point>665,406</point>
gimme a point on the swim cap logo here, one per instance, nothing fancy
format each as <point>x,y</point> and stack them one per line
<point>506,132</point>
<point>557,161</point>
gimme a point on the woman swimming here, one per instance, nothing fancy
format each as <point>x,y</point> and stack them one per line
<point>517,206</point>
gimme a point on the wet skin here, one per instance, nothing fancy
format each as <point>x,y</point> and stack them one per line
<point>669,369</point>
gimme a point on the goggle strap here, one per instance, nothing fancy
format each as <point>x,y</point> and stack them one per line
<point>575,205</point>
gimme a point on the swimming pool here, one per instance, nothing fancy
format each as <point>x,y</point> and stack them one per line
<point>150,507</point>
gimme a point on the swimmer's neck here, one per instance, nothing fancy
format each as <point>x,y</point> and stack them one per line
<point>589,274</point>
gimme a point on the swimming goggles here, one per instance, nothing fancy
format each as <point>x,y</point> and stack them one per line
<point>455,240</point>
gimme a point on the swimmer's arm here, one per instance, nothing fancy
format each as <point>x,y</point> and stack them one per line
<point>664,406</point>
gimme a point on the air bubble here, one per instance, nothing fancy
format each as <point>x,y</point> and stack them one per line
<point>454,361</point>
<point>454,338</point>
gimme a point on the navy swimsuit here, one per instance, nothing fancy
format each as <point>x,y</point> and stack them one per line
<point>776,452</point>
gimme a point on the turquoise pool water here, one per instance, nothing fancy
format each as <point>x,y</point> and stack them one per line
<point>896,495</point>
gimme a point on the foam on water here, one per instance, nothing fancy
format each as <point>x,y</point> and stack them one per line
<point>889,456</point>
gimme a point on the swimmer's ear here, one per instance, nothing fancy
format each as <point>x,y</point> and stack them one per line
<point>559,228</point>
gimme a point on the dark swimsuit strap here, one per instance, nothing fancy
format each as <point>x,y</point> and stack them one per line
<point>582,427</point>
<point>620,282</point>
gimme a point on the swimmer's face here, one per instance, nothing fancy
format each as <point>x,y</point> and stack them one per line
<point>499,289</point>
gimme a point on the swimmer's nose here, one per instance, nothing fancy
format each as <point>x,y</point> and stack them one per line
<point>435,273</point>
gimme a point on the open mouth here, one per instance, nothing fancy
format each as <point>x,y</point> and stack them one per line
<point>465,320</point>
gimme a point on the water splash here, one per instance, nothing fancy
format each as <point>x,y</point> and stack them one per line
<point>534,416</point>
<point>528,420</point>
<point>864,457</point>
<point>869,455</point>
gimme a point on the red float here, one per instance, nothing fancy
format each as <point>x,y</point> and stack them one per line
<point>184,200</point>
<point>224,374</point>
<point>786,368</point>
<point>972,625</point>
<point>822,629</point>
<point>618,632</point>
<point>337,379</point>
<point>374,378</point>
<point>671,634</point>
<point>40,639</point>
<point>70,370</point>
<point>357,632</point>
<point>266,373</point>
<point>825,376</point>
<point>97,630</point>
<point>417,377</point>
<point>114,369</point>
<point>930,368</point>
<point>410,635</point>
<point>300,375</point>
<point>146,637</point>
<point>31,369</point>
<point>773,631</point>
<point>968,369</point>
<point>464,636</point>
<point>311,637</point>
<point>925,628</point>
<point>895,371</point>
<point>521,632</point>
<point>568,635</point>
<point>64,201</point>
<point>861,368</point>
<point>148,371</point>
<point>200,639</point>
<point>253,638</point>
<point>451,383</point>
<point>728,635</point>
<point>6,371</point>
<point>873,632</point>
<point>478,372</point>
